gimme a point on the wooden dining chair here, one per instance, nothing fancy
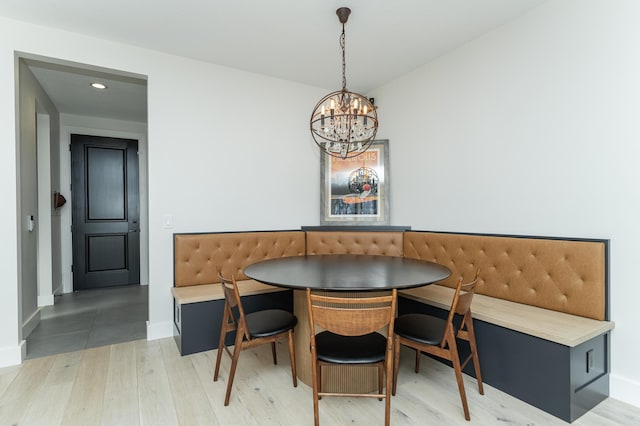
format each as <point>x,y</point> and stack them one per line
<point>350,337</point>
<point>254,329</point>
<point>436,336</point>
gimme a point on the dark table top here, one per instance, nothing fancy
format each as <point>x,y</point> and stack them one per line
<point>346,272</point>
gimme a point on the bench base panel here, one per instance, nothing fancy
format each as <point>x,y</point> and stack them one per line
<point>196,326</point>
<point>561,380</point>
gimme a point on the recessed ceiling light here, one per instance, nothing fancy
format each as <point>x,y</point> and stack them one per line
<point>100,86</point>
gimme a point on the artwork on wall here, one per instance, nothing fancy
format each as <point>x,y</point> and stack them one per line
<point>355,191</point>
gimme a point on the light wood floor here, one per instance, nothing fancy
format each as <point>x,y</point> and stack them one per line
<point>149,383</point>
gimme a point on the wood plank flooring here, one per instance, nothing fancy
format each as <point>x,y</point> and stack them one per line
<point>149,383</point>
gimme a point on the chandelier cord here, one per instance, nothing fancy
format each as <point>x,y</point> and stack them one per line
<point>344,63</point>
<point>343,123</point>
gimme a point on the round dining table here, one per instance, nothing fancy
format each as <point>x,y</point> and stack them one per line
<point>345,273</point>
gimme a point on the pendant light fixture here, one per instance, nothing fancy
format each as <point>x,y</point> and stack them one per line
<point>344,123</point>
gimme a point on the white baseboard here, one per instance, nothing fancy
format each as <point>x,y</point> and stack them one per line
<point>29,325</point>
<point>45,300</point>
<point>159,330</point>
<point>58,290</point>
<point>13,355</point>
<point>624,390</point>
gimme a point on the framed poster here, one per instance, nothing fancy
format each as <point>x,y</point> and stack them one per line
<point>355,191</point>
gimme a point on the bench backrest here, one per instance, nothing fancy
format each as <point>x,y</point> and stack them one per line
<point>387,243</point>
<point>197,257</point>
<point>562,275</point>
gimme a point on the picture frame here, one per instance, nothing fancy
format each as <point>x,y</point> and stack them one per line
<point>355,191</point>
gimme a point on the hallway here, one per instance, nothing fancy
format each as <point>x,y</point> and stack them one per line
<point>90,318</point>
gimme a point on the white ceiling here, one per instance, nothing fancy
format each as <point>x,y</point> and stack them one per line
<point>295,40</point>
<point>69,88</point>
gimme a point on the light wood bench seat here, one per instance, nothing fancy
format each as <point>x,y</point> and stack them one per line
<point>558,327</point>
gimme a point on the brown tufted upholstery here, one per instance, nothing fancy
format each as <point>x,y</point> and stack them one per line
<point>356,242</point>
<point>198,256</point>
<point>561,275</point>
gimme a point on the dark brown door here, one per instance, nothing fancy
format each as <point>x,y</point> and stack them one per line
<point>105,212</point>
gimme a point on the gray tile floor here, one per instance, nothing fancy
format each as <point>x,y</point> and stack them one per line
<point>90,318</point>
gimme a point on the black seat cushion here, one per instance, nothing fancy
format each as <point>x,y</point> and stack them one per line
<point>270,322</point>
<point>367,349</point>
<point>421,328</point>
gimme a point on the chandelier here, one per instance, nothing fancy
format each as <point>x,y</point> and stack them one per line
<point>344,123</point>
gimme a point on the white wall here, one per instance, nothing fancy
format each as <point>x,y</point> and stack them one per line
<point>532,129</point>
<point>227,150</point>
<point>34,192</point>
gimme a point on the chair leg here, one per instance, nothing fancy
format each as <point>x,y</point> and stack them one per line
<point>387,402</point>
<point>476,366</point>
<point>319,367</point>
<point>476,359</point>
<point>380,379</point>
<point>273,352</point>
<point>221,347</point>
<point>292,358</point>
<point>455,360</point>
<point>418,353</point>
<point>316,386</point>
<point>234,363</point>
<point>396,362</point>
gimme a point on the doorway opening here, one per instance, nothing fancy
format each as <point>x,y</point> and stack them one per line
<point>62,90</point>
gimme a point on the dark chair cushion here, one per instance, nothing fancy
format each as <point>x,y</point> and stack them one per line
<point>421,328</point>
<point>270,322</point>
<point>367,349</point>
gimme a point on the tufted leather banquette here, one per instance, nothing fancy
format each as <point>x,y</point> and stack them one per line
<point>541,309</point>
<point>560,275</point>
<point>199,257</point>
<point>354,242</point>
